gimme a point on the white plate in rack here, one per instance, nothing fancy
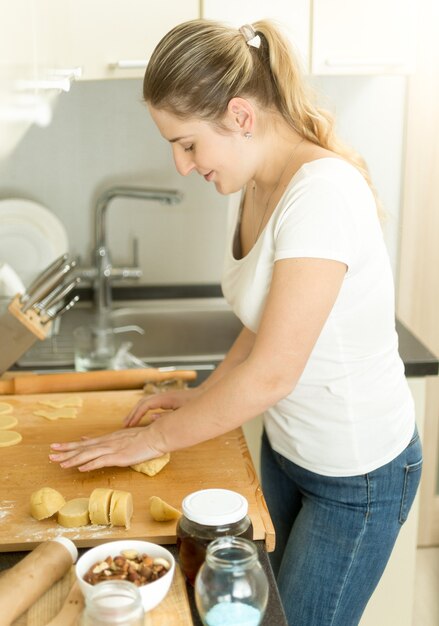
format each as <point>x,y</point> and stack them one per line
<point>31,237</point>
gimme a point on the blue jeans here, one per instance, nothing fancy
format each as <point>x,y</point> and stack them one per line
<point>334,536</point>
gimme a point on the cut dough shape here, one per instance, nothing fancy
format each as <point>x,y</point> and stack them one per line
<point>70,401</point>
<point>45,502</point>
<point>121,508</point>
<point>5,408</point>
<point>74,513</point>
<point>9,438</point>
<point>7,421</point>
<point>55,414</point>
<point>161,511</point>
<point>99,505</point>
<point>153,466</point>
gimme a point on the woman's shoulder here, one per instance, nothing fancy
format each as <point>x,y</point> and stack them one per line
<point>329,174</point>
<point>327,185</point>
<point>329,166</point>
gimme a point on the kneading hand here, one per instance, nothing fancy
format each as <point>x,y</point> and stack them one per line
<point>168,401</point>
<point>122,448</point>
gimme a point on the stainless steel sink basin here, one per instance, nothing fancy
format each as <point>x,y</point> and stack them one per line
<point>177,330</point>
<point>182,332</point>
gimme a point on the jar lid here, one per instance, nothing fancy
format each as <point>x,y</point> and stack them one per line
<point>215,507</point>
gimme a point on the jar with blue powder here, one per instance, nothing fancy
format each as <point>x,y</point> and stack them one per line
<point>231,588</point>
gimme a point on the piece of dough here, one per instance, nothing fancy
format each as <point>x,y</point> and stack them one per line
<point>7,421</point>
<point>70,401</point>
<point>9,438</point>
<point>99,505</point>
<point>56,414</point>
<point>153,466</point>
<point>45,502</point>
<point>161,511</point>
<point>121,508</point>
<point>5,408</point>
<point>74,513</point>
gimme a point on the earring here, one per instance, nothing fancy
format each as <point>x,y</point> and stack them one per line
<point>248,135</point>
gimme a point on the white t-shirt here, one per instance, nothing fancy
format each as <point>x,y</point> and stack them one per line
<point>351,410</point>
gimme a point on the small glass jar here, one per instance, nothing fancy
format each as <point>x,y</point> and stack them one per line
<point>231,588</point>
<point>116,602</point>
<point>207,515</point>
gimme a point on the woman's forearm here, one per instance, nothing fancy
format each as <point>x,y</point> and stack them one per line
<point>237,397</point>
<point>239,351</point>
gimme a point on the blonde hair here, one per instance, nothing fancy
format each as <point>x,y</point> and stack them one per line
<point>200,65</point>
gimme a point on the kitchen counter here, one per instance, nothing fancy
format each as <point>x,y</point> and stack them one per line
<point>274,615</point>
<point>418,360</point>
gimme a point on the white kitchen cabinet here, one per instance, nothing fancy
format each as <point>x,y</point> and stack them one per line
<point>21,104</point>
<point>357,37</point>
<point>293,16</point>
<point>115,39</point>
<point>336,36</point>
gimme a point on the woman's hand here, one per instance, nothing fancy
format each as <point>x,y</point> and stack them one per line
<point>168,401</point>
<point>121,448</point>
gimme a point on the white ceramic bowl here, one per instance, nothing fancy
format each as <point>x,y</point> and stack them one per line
<point>152,593</point>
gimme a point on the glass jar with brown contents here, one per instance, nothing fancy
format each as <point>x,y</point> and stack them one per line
<point>207,515</point>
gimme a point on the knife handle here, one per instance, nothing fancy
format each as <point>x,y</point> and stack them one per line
<point>41,278</point>
<point>48,285</point>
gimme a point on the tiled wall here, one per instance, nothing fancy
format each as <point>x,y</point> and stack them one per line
<point>102,135</point>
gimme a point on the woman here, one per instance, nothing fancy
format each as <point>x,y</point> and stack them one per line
<point>307,272</point>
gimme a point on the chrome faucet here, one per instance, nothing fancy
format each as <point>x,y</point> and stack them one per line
<point>104,272</point>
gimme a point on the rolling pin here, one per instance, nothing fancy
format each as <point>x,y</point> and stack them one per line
<point>26,581</point>
<point>100,380</point>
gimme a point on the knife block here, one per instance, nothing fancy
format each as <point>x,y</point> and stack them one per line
<point>18,332</point>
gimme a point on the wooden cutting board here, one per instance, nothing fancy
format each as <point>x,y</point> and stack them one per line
<point>223,462</point>
<point>174,610</point>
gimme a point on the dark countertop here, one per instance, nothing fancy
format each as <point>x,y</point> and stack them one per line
<point>418,359</point>
<point>274,615</point>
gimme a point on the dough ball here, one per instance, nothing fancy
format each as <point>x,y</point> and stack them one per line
<point>7,421</point>
<point>9,438</point>
<point>161,511</point>
<point>56,414</point>
<point>153,466</point>
<point>99,505</point>
<point>45,502</point>
<point>5,408</point>
<point>121,508</point>
<point>70,401</point>
<point>74,513</point>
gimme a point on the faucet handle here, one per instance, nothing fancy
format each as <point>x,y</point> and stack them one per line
<point>135,252</point>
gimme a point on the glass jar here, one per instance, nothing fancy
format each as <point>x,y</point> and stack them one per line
<point>207,515</point>
<point>116,602</point>
<point>231,588</point>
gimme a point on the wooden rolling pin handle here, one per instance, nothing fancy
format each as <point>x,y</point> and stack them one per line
<point>103,380</point>
<point>24,583</point>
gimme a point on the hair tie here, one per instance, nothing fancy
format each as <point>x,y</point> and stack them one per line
<point>250,36</point>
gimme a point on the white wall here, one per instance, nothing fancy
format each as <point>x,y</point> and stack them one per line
<point>102,135</point>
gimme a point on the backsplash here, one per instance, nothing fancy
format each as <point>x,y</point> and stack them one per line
<point>102,135</point>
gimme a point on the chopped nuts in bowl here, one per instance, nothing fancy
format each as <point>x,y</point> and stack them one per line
<point>147,565</point>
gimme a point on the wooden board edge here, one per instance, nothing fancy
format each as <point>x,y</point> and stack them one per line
<point>270,537</point>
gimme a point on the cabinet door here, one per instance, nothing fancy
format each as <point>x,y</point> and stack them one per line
<point>115,39</point>
<point>20,105</point>
<point>358,37</point>
<point>291,15</point>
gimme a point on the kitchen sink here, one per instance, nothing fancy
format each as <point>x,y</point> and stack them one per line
<point>185,332</point>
